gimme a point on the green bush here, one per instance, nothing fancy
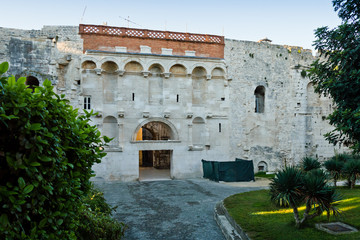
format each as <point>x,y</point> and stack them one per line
<point>95,220</point>
<point>46,154</point>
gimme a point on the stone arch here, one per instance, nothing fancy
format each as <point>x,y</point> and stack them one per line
<point>151,63</point>
<point>174,132</point>
<point>156,84</point>
<point>199,72</point>
<point>111,130</point>
<point>218,66</point>
<point>262,166</point>
<point>178,69</point>
<point>218,72</point>
<point>133,66</point>
<point>90,59</point>
<point>199,87</point>
<point>109,66</point>
<point>32,81</point>
<point>197,66</point>
<point>108,59</point>
<point>88,64</point>
<point>156,69</point>
<point>259,94</point>
<point>198,120</point>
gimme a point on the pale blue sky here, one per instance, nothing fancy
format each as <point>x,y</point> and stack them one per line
<point>283,21</point>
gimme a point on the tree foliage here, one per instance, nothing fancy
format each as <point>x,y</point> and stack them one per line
<point>337,73</point>
<point>46,154</point>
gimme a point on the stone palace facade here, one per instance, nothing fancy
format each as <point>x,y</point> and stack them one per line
<point>170,99</point>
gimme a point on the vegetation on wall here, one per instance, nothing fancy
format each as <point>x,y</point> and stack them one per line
<point>46,154</point>
<point>337,73</point>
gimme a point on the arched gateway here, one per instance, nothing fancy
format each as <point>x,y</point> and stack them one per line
<point>155,154</point>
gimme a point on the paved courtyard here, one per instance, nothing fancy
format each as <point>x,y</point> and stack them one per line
<point>172,209</point>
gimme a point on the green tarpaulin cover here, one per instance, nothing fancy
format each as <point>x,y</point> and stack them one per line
<point>238,171</point>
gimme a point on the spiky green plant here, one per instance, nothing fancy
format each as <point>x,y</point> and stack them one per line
<point>309,163</point>
<point>343,157</point>
<point>285,187</point>
<point>293,187</point>
<point>352,170</point>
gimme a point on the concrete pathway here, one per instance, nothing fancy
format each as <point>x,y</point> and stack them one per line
<point>172,209</point>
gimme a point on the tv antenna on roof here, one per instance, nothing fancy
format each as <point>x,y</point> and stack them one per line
<point>129,21</point>
<point>82,17</point>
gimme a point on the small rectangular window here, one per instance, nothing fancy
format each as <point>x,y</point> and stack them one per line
<point>133,96</point>
<point>219,127</point>
<point>177,98</point>
<point>87,102</point>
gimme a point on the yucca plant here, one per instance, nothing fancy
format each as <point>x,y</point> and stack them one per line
<point>334,166</point>
<point>285,187</point>
<point>309,163</point>
<point>352,170</point>
<point>293,187</point>
<point>342,157</point>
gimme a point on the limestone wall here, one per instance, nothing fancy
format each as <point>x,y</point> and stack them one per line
<point>139,89</point>
<point>292,125</point>
<point>209,104</point>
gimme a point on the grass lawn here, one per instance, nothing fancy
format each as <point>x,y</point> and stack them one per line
<point>264,175</point>
<point>261,219</point>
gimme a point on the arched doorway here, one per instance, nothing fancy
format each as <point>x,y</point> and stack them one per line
<point>32,81</point>
<point>155,164</point>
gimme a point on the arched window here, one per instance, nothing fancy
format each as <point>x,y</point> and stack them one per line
<point>199,86</point>
<point>133,67</point>
<point>156,85</point>
<point>110,129</point>
<point>88,65</point>
<point>109,67</point>
<point>259,99</point>
<point>156,131</point>
<point>262,166</point>
<point>198,132</point>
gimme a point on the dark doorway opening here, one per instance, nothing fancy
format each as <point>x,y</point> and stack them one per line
<point>154,164</point>
<point>159,159</point>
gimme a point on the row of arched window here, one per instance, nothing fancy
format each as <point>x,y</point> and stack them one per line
<point>133,66</point>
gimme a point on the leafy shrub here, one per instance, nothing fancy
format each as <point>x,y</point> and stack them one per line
<point>292,187</point>
<point>309,163</point>
<point>96,202</point>
<point>46,155</point>
<point>95,220</point>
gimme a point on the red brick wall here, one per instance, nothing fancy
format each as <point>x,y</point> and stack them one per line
<point>107,38</point>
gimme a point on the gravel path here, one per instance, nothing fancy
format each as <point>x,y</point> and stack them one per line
<point>173,209</point>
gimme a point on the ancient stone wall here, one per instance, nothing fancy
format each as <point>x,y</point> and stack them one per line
<point>293,122</point>
<point>256,103</point>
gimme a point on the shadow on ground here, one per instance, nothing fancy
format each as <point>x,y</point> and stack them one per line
<point>172,209</point>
